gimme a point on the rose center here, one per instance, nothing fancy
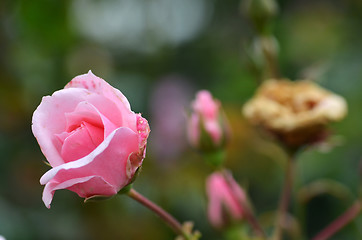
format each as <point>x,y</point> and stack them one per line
<point>79,141</point>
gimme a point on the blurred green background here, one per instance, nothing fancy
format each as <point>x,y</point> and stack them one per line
<point>159,53</point>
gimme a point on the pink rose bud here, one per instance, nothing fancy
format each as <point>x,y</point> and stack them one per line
<point>225,198</point>
<point>90,137</point>
<point>207,127</point>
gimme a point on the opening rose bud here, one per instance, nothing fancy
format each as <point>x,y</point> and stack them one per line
<point>91,138</point>
<point>225,198</point>
<point>207,126</point>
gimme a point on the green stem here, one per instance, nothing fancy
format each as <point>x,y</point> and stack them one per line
<point>284,199</point>
<point>340,222</point>
<point>170,220</point>
<point>272,63</point>
<point>249,216</point>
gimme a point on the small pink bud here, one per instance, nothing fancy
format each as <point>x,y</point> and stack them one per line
<point>207,128</point>
<point>225,199</point>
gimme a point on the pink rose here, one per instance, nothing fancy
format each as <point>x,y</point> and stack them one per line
<point>207,118</point>
<point>225,198</point>
<point>91,138</point>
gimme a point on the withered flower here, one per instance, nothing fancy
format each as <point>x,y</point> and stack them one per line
<point>295,112</point>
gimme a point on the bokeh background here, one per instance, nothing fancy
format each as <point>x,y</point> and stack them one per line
<point>159,53</point>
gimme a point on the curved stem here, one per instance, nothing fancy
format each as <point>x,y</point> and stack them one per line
<point>285,197</point>
<point>340,222</point>
<point>249,216</point>
<point>170,220</point>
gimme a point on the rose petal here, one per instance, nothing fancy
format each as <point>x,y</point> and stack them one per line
<point>223,195</point>
<point>84,112</point>
<point>108,161</point>
<point>206,105</point>
<point>96,134</point>
<point>214,129</point>
<point>48,119</point>
<point>208,111</point>
<point>143,130</point>
<point>81,142</point>
<point>97,85</point>
<point>95,186</point>
<point>238,193</point>
<point>77,185</point>
<point>87,112</point>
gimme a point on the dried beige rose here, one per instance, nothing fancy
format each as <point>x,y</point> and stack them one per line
<point>296,112</point>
